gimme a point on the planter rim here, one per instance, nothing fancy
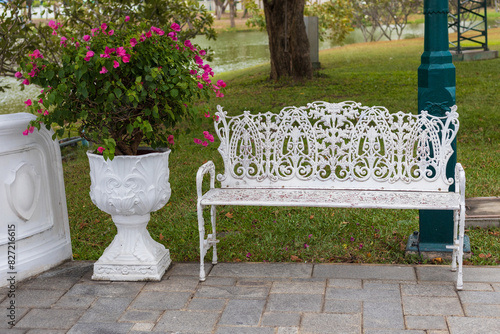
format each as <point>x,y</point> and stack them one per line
<point>158,151</point>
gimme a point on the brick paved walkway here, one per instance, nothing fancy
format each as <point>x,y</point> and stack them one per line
<point>276,298</point>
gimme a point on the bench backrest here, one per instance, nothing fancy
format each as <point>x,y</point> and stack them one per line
<point>336,146</point>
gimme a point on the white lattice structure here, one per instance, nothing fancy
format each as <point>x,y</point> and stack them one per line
<point>335,155</point>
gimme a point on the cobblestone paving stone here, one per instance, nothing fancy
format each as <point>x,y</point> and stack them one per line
<point>260,298</point>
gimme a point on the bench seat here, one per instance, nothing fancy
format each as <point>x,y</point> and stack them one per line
<point>333,198</point>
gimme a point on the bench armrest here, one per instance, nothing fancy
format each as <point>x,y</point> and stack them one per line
<point>208,167</point>
<point>460,181</point>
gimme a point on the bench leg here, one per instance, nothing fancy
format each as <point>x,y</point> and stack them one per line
<point>454,256</point>
<point>461,233</point>
<point>203,251</point>
<point>214,236</point>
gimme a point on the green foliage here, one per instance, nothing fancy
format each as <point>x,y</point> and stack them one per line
<point>124,84</point>
<point>18,33</point>
<point>334,18</point>
<point>194,19</point>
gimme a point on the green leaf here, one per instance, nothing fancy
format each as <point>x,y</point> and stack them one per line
<point>138,79</point>
<point>174,92</point>
<point>50,75</point>
<point>118,92</point>
<point>173,71</point>
<point>149,78</point>
<point>130,128</point>
<point>84,92</point>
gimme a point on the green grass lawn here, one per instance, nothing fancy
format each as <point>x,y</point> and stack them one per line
<point>383,73</point>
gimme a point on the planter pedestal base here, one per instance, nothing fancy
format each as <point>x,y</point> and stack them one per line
<point>133,255</point>
<point>132,272</point>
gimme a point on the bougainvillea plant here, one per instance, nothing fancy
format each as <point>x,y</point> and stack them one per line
<point>123,85</point>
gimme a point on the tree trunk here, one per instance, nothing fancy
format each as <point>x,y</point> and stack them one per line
<point>288,43</point>
<point>232,10</point>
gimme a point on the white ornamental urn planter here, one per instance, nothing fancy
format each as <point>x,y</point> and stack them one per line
<point>129,188</point>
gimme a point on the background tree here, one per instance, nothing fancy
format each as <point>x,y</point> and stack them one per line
<point>383,18</point>
<point>334,19</point>
<point>288,43</point>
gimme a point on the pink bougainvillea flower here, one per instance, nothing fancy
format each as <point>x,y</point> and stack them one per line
<point>170,139</point>
<point>116,64</point>
<point>310,236</point>
<point>207,115</point>
<point>77,44</point>
<point>175,27</point>
<point>306,245</point>
<point>360,246</point>
<point>133,42</point>
<point>173,36</point>
<point>26,82</point>
<point>111,32</point>
<point>187,43</point>
<point>126,58</point>
<point>39,111</point>
<point>216,118</point>
<point>203,52</point>
<point>52,24</point>
<point>221,83</point>
<point>205,144</point>
<point>36,54</point>
<point>103,70</point>
<point>219,94</point>
<point>108,50</point>
<point>104,26</point>
<point>197,141</point>
<point>142,38</point>
<point>29,130</point>
<point>40,101</point>
<point>28,102</point>
<point>200,85</point>
<point>46,113</point>
<point>249,254</point>
<point>103,55</point>
<point>193,72</point>
<point>198,60</point>
<point>90,54</point>
<point>352,238</point>
<point>63,40</point>
<point>148,34</point>
<point>127,18</point>
<point>86,38</point>
<point>54,32</point>
<point>100,149</point>
<point>120,51</point>
<point>18,75</point>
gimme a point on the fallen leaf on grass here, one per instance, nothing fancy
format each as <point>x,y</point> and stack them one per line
<point>437,260</point>
<point>485,256</point>
<point>161,237</point>
<point>229,215</point>
<point>496,234</point>
<point>295,258</point>
<point>311,217</point>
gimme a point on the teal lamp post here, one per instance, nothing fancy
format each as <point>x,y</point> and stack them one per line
<point>436,93</point>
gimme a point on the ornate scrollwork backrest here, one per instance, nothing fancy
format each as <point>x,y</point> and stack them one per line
<point>336,145</point>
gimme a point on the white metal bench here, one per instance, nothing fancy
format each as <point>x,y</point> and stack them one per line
<point>335,155</point>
